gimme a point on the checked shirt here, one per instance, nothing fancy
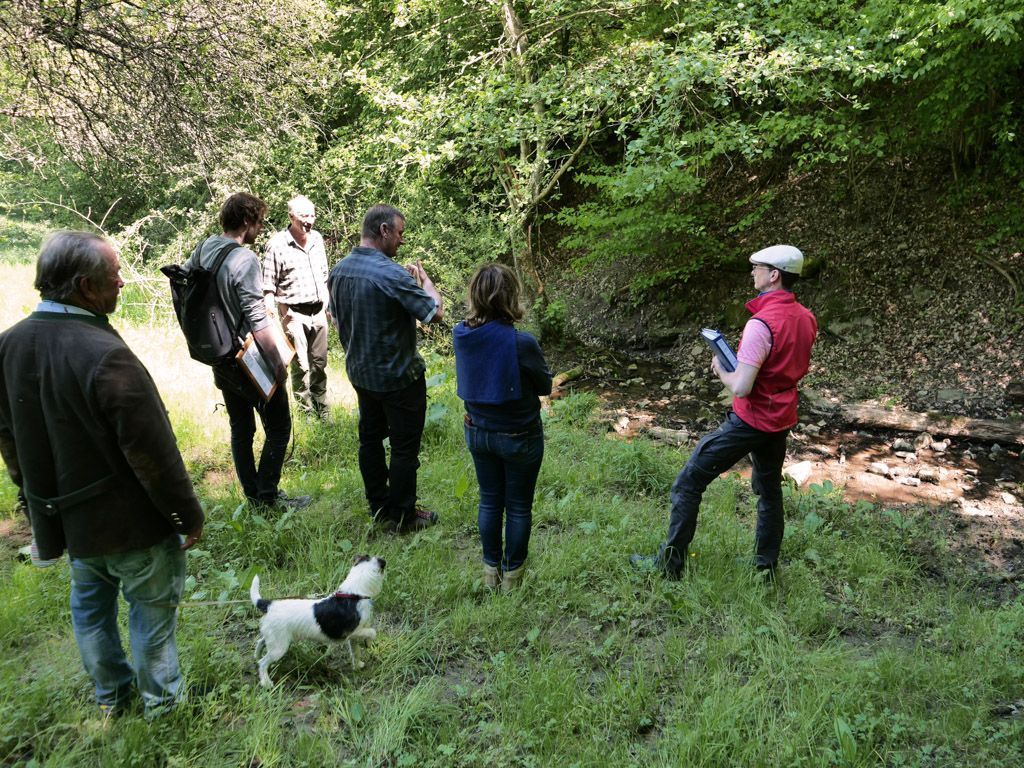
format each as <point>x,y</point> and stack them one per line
<point>294,274</point>
<point>376,304</point>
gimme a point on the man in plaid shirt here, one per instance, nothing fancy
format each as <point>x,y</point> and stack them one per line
<point>376,303</point>
<point>295,289</point>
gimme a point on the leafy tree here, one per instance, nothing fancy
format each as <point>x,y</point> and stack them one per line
<point>620,121</point>
<point>762,87</point>
<point>144,88</point>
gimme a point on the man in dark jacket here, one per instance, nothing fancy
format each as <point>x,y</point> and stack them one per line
<point>86,439</point>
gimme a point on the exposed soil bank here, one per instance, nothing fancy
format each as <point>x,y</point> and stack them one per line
<point>916,297</point>
<point>917,306</point>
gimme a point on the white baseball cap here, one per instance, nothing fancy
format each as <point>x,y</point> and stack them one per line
<point>784,257</point>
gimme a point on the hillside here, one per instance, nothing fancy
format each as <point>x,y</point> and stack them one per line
<point>911,309</point>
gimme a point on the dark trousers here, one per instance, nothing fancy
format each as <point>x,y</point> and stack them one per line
<point>259,484</point>
<point>714,454</point>
<point>507,465</point>
<point>399,417</point>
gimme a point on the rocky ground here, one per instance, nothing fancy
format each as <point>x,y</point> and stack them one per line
<point>918,309</point>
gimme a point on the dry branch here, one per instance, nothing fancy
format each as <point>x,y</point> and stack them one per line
<point>671,436</point>
<point>566,376</point>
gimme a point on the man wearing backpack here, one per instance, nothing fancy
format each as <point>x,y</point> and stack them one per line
<point>240,289</point>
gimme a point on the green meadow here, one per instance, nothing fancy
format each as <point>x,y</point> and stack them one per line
<point>878,647</point>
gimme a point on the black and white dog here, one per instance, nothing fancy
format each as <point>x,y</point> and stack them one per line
<point>345,615</point>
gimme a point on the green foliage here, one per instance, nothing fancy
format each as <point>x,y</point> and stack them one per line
<point>574,409</point>
<point>20,239</point>
<point>765,85</point>
<point>618,121</point>
<point>139,91</point>
<point>615,123</point>
<point>553,317</point>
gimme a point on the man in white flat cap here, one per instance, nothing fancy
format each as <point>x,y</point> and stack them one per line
<point>773,355</point>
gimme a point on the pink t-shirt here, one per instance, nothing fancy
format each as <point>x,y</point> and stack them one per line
<point>755,344</point>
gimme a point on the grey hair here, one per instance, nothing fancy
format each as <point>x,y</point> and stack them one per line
<point>64,259</point>
<point>297,200</point>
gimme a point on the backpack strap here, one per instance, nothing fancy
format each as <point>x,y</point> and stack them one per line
<point>221,255</point>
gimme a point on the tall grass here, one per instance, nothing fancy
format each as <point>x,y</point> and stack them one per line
<point>878,648</point>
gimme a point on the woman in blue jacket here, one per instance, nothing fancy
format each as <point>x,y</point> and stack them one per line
<point>501,374</point>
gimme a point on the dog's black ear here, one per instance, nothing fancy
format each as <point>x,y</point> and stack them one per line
<point>383,562</point>
<point>361,559</point>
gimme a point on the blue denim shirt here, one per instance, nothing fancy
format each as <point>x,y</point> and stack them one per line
<point>375,304</point>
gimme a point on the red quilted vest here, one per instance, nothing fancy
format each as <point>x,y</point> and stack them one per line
<point>771,404</point>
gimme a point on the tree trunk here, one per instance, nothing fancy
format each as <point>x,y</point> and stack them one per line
<point>879,417</point>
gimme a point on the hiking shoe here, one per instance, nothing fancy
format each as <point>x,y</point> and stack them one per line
<point>511,579</point>
<point>491,577</point>
<point>767,574</point>
<point>653,565</point>
<point>112,711</point>
<point>292,502</point>
<point>282,502</point>
<point>421,519</point>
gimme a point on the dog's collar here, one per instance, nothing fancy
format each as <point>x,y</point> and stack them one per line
<point>350,596</point>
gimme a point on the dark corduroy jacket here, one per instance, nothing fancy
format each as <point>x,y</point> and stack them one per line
<point>85,436</point>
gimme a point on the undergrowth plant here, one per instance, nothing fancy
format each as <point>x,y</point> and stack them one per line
<point>877,648</point>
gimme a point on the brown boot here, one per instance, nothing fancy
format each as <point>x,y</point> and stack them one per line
<point>492,576</point>
<point>510,579</point>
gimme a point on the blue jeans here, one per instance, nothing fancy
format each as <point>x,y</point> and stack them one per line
<point>507,465</point>
<point>259,484</point>
<point>714,454</point>
<point>399,417</point>
<point>152,581</point>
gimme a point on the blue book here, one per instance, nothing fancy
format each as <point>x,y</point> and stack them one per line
<point>720,347</point>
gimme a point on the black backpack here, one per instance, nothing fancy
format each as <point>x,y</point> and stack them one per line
<point>201,315</point>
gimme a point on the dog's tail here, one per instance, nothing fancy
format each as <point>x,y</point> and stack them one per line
<point>254,595</point>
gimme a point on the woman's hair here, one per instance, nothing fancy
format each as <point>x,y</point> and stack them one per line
<point>494,295</point>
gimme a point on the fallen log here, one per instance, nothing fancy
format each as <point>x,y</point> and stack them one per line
<point>880,417</point>
<point>565,376</point>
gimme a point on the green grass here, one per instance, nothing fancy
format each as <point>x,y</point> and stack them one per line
<point>877,649</point>
<point>20,239</point>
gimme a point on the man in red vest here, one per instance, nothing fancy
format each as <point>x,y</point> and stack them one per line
<point>773,356</point>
